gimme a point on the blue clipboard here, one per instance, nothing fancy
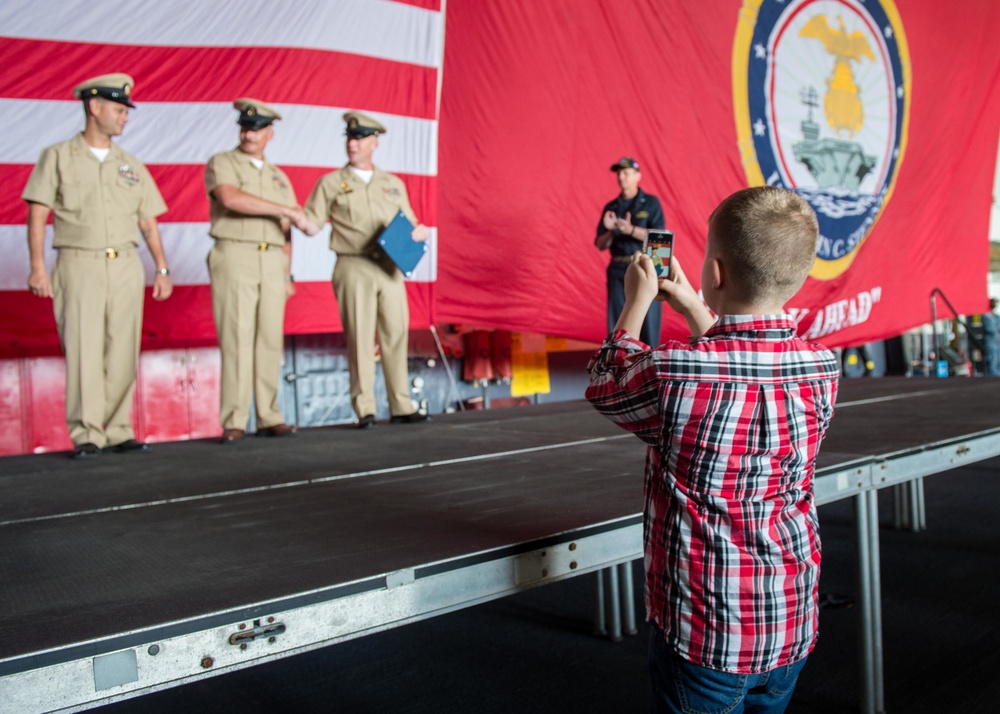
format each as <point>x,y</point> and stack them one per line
<point>402,250</point>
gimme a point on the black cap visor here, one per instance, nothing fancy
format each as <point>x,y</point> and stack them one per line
<point>112,94</point>
<point>255,123</point>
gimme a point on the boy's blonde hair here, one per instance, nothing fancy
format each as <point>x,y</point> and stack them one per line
<point>767,237</point>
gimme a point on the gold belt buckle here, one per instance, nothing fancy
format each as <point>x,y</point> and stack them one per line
<point>263,246</point>
<point>112,253</point>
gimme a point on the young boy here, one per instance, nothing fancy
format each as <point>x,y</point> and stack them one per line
<point>733,423</point>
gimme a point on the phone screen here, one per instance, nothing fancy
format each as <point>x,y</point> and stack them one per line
<point>660,247</point>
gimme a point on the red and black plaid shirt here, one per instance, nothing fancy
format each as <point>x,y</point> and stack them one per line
<point>733,423</point>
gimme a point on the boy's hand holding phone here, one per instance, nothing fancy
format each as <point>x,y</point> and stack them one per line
<point>655,274</point>
<point>650,269</point>
<point>675,290</point>
<point>641,280</point>
<point>684,299</point>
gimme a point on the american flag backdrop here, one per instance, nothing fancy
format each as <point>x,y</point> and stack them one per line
<point>310,59</point>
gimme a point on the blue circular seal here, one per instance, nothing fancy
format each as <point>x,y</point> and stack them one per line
<point>822,93</point>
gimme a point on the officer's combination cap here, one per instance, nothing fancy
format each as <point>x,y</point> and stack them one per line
<point>254,114</point>
<point>625,162</point>
<point>113,87</point>
<point>361,125</point>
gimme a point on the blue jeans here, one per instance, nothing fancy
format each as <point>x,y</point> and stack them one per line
<point>680,687</point>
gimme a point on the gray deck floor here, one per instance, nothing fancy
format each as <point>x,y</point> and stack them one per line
<point>534,653</point>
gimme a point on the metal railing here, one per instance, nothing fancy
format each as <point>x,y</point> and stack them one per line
<point>939,345</point>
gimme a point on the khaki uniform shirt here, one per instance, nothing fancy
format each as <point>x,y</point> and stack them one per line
<point>357,212</point>
<point>95,205</point>
<point>234,168</point>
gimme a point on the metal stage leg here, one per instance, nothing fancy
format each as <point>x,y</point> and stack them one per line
<point>900,507</point>
<point>909,512</point>
<point>613,603</point>
<point>870,594</point>
<point>920,509</point>
<point>628,599</point>
<point>600,623</point>
<point>912,488</point>
<point>875,584</point>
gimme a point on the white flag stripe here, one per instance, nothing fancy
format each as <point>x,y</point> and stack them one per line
<point>189,133</point>
<point>187,246</point>
<point>312,259</point>
<point>373,28</point>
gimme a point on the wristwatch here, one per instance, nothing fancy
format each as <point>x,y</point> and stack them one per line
<point>163,271</point>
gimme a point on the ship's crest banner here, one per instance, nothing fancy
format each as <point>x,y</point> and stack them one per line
<point>883,115</point>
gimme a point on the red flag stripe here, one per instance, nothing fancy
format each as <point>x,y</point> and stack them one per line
<point>434,5</point>
<point>49,70</point>
<point>187,317</point>
<point>363,27</point>
<point>183,189</point>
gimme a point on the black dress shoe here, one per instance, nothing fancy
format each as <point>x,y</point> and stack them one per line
<point>231,436</point>
<point>277,430</point>
<point>86,451</point>
<point>127,446</point>
<point>367,422</point>
<point>414,418</point>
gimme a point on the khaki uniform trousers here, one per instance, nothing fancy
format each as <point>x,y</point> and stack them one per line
<point>371,299</point>
<point>248,303</point>
<point>98,308</point>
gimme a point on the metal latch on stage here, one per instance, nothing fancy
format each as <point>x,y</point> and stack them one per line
<point>268,631</point>
<point>546,563</point>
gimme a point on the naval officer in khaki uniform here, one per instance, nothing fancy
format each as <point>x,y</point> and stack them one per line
<point>360,200</point>
<point>252,207</point>
<point>97,195</point>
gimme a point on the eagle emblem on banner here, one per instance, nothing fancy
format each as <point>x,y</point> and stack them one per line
<point>822,96</point>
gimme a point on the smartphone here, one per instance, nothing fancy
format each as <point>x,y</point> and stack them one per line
<point>660,247</point>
